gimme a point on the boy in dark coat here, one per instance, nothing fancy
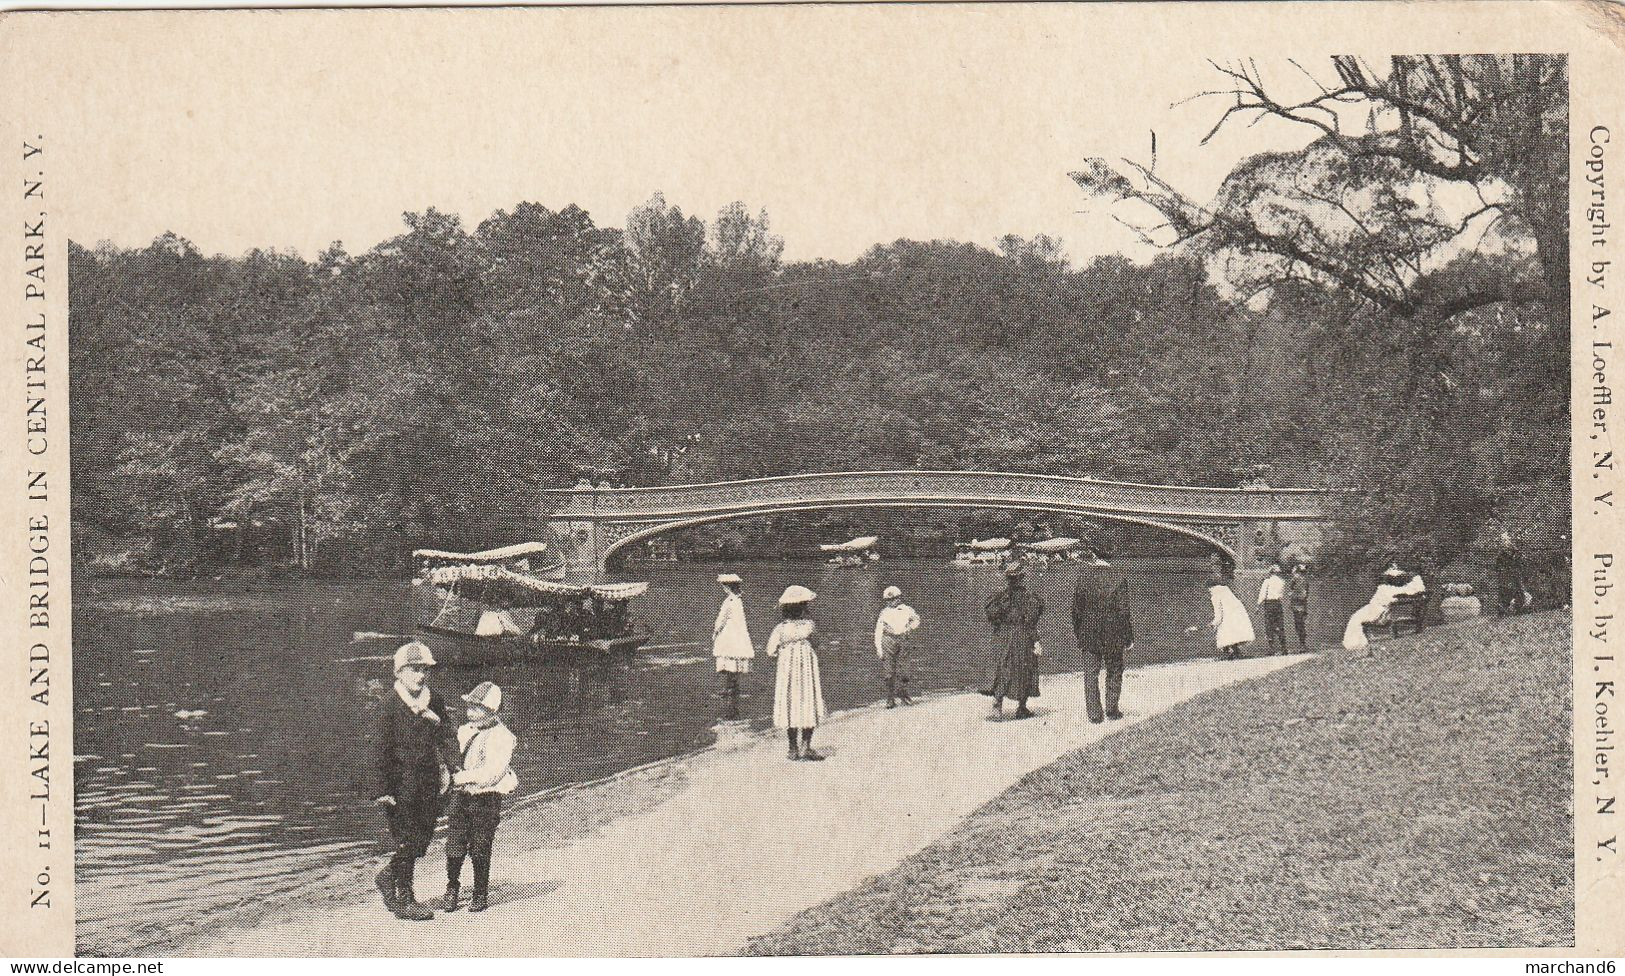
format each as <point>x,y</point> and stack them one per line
<point>1105,632</point>
<point>411,774</point>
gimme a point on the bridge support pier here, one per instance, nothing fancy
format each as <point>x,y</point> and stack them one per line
<point>582,547</point>
<point>1248,544</point>
<point>1259,542</point>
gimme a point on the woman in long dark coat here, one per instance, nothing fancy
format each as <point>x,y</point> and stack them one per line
<point>1014,613</point>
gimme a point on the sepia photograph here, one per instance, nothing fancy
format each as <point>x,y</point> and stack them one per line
<point>788,481</point>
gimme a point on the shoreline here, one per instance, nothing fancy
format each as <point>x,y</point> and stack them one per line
<point>1409,795</point>
<point>586,723</point>
<point>646,834</point>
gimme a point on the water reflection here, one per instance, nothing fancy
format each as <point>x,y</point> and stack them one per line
<point>221,734</point>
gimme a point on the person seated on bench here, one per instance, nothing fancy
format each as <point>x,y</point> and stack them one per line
<point>1395,582</point>
<point>1410,607</point>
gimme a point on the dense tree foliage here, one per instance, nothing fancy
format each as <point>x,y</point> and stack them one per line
<point>1429,211</point>
<point>1321,324</point>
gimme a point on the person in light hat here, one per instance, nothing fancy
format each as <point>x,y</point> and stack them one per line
<point>1014,613</point>
<point>897,621</point>
<point>411,773</point>
<point>730,636</point>
<point>478,788</point>
<point>798,693</point>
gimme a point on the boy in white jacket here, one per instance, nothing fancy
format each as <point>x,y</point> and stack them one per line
<point>893,633</point>
<point>477,792</point>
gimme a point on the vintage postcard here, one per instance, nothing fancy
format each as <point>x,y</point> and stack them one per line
<point>679,481</point>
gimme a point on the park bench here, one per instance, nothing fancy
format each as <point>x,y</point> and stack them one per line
<point>1409,610</point>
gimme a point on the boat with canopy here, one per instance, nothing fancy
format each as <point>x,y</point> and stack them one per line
<point>518,554</point>
<point>1060,548</point>
<point>493,608</point>
<point>855,552</point>
<point>981,552</point>
<point>1058,544</point>
<point>860,544</point>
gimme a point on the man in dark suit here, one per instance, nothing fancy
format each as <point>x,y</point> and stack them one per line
<point>411,769</point>
<point>1105,632</point>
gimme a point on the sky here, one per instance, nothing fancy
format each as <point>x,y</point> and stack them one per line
<point>849,126</point>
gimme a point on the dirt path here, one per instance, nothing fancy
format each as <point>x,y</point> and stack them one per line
<point>741,841</point>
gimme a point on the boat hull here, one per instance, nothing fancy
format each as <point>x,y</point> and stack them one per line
<point>461,649</point>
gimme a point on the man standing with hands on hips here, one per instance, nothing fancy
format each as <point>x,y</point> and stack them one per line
<point>896,623</point>
<point>1105,633</point>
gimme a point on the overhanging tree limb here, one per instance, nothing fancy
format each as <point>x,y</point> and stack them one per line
<point>1367,212</point>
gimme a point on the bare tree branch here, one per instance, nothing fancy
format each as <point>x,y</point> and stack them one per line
<point>1363,209</point>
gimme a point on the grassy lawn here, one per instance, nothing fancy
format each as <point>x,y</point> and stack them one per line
<point>1415,794</point>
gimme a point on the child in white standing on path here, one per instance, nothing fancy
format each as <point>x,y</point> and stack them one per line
<point>1232,628</point>
<point>798,693</point>
<point>730,636</point>
<point>478,789</point>
<point>893,630</point>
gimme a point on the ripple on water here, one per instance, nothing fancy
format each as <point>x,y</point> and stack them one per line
<point>673,660</point>
<point>127,821</point>
<point>247,837</point>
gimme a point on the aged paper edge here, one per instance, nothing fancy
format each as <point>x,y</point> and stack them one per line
<point>36,862</point>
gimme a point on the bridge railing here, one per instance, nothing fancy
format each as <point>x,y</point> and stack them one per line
<point>943,487</point>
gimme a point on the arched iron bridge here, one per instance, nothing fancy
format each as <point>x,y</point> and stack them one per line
<point>591,524</point>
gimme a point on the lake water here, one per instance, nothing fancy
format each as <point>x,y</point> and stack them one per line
<point>220,732</point>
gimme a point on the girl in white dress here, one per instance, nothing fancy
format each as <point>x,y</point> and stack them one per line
<point>1232,628</point>
<point>798,694</point>
<point>730,637</point>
